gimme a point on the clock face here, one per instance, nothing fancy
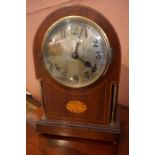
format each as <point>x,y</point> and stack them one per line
<point>76,51</point>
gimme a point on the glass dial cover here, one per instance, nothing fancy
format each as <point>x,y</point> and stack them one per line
<point>76,51</point>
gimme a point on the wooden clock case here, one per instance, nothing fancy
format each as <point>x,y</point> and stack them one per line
<point>99,121</point>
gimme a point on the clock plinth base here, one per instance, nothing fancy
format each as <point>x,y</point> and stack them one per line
<point>95,132</point>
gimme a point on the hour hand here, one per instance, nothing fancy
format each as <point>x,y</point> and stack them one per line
<point>75,53</point>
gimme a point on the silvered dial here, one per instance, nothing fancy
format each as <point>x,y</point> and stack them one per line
<point>76,51</point>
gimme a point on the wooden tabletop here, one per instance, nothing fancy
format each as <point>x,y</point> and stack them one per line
<point>39,144</point>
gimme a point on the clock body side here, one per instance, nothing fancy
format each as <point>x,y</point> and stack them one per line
<point>99,98</point>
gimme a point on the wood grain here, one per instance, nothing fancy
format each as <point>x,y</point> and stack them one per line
<point>41,144</point>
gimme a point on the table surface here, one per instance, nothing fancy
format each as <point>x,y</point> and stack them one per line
<point>40,144</point>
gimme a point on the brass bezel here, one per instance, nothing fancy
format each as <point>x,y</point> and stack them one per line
<point>104,37</point>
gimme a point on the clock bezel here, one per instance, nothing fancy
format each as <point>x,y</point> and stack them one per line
<point>102,34</point>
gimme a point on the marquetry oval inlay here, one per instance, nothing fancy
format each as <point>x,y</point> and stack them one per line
<point>76,106</point>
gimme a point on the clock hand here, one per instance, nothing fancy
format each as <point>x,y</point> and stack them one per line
<point>76,49</point>
<point>80,33</point>
<point>88,64</point>
<point>75,54</point>
<point>77,44</point>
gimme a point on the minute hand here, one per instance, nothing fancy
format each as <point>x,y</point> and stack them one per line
<point>88,64</point>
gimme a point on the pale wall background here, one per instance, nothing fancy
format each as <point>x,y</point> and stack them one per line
<point>114,10</point>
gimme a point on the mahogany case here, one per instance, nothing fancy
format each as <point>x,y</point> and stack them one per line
<point>99,121</point>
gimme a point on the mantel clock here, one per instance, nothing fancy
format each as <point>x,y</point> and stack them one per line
<point>77,60</point>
